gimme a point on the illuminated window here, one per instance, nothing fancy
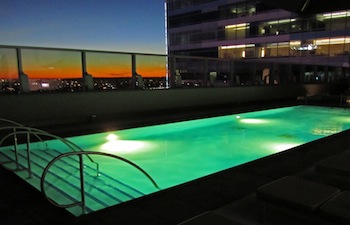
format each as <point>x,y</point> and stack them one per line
<point>332,15</point>
<point>236,30</point>
<point>237,51</point>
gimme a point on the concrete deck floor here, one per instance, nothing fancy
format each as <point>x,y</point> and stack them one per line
<point>228,194</point>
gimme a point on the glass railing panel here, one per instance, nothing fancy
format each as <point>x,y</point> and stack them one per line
<point>243,73</point>
<point>110,71</point>
<point>190,72</point>
<point>52,70</point>
<point>9,81</point>
<point>283,74</point>
<point>219,73</point>
<point>151,72</point>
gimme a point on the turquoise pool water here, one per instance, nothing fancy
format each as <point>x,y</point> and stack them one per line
<point>176,153</point>
<point>179,152</point>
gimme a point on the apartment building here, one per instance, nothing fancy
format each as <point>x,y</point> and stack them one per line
<point>255,31</point>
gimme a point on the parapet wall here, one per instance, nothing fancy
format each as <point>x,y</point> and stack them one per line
<point>59,108</point>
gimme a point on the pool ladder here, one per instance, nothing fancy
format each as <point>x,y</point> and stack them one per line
<point>82,202</point>
<point>18,129</point>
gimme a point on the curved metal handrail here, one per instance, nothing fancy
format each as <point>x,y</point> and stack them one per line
<point>12,122</point>
<point>37,133</point>
<point>18,125</point>
<point>82,190</point>
<point>15,128</point>
<point>24,128</point>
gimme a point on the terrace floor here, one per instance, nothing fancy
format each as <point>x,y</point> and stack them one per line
<point>229,193</point>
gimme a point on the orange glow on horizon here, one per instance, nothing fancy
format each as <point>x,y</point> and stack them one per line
<point>96,73</point>
<point>52,64</point>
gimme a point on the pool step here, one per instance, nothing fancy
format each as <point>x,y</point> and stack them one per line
<point>63,180</point>
<point>67,179</point>
<point>103,183</point>
<point>104,179</point>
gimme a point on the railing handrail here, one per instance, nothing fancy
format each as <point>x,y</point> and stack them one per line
<point>37,133</point>
<point>111,52</point>
<point>82,190</point>
<point>12,122</point>
<point>22,127</point>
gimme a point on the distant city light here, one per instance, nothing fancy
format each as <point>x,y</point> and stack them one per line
<point>45,85</point>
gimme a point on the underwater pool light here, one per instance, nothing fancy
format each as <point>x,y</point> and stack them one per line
<point>112,137</point>
<point>283,147</point>
<point>253,121</point>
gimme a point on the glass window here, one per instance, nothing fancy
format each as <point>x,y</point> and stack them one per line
<point>348,20</point>
<point>322,47</point>
<point>338,23</point>
<point>294,47</point>
<point>262,7</point>
<point>237,31</point>
<point>283,49</point>
<point>347,45</point>
<point>271,50</point>
<point>254,30</point>
<point>295,26</point>
<point>336,49</point>
<point>251,8</point>
<point>241,10</point>
<point>194,37</point>
<point>250,52</point>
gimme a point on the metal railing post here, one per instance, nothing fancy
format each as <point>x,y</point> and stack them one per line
<point>133,71</point>
<point>88,82</point>
<point>23,78</point>
<point>28,156</point>
<point>82,186</point>
<point>15,146</point>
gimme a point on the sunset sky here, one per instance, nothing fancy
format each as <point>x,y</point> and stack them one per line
<point>111,25</point>
<point>117,25</point>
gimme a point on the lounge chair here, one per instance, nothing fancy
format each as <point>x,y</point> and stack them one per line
<point>292,200</point>
<point>337,209</point>
<point>335,171</point>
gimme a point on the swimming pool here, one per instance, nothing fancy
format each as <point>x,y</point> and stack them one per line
<point>176,153</point>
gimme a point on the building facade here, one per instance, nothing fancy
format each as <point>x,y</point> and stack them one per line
<point>254,31</point>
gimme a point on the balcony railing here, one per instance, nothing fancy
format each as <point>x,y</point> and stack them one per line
<point>36,69</point>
